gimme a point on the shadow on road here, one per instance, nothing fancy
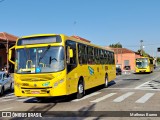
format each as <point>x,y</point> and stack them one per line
<point>111,83</point>
<point>61,99</point>
<point>131,79</point>
<point>81,114</point>
<point>142,73</point>
<point>42,110</point>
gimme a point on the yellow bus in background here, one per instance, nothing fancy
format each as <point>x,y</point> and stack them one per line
<point>144,65</point>
<point>54,65</point>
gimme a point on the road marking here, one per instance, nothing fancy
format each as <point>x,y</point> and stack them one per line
<point>149,86</point>
<point>123,97</point>
<point>6,97</point>
<point>121,88</point>
<point>24,99</point>
<point>151,89</point>
<point>10,94</point>
<point>154,83</point>
<point>138,87</point>
<point>6,109</point>
<point>141,85</point>
<point>146,87</point>
<point>16,99</point>
<point>5,100</point>
<point>134,89</point>
<point>103,98</point>
<point>146,97</point>
<point>87,96</point>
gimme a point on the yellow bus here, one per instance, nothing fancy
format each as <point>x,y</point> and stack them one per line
<point>55,65</point>
<point>144,64</point>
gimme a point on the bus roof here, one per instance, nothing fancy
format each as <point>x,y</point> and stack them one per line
<point>145,57</point>
<point>77,39</point>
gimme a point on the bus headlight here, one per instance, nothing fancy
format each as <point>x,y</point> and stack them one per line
<point>61,81</point>
<point>58,82</point>
<point>55,84</point>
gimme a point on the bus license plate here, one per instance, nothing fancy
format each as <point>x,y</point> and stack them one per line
<point>35,92</point>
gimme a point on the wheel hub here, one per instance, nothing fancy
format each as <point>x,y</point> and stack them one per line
<point>80,88</point>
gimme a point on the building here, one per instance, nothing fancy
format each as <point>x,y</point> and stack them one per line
<point>80,38</point>
<point>125,58</point>
<point>6,41</point>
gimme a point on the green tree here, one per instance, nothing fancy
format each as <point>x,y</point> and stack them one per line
<point>158,60</point>
<point>144,54</point>
<point>117,45</point>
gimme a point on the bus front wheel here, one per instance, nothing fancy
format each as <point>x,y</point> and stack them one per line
<point>80,89</point>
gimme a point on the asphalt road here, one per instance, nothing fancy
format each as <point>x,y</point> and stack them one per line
<point>128,92</point>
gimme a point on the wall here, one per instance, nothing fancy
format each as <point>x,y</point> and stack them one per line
<point>126,56</point>
<point>3,57</point>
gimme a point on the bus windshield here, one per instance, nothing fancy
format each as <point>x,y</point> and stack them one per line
<point>39,60</point>
<point>142,63</point>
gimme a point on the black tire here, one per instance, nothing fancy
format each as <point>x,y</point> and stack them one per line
<point>80,90</point>
<point>10,88</point>
<point>2,91</point>
<point>106,81</point>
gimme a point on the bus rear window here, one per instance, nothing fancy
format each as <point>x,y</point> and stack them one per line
<point>39,40</point>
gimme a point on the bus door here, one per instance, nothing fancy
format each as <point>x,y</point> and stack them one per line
<point>72,73</point>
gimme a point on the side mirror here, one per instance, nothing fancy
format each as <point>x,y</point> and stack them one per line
<point>69,54</point>
<point>10,55</point>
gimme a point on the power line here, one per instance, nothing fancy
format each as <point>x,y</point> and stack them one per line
<point>152,44</point>
<point>143,45</point>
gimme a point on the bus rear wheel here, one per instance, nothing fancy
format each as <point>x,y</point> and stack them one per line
<point>80,90</point>
<point>106,81</point>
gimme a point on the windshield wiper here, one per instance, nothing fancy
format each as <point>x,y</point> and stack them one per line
<point>43,54</point>
<point>51,59</point>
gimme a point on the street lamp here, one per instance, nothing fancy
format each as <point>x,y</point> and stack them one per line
<point>141,47</point>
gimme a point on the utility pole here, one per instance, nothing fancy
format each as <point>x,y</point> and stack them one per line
<point>7,46</point>
<point>7,56</point>
<point>117,53</point>
<point>141,47</point>
<point>117,56</point>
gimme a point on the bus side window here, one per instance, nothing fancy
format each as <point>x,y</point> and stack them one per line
<point>90,52</point>
<point>82,53</point>
<point>73,62</point>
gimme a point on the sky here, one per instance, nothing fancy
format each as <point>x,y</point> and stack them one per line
<point>103,22</point>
